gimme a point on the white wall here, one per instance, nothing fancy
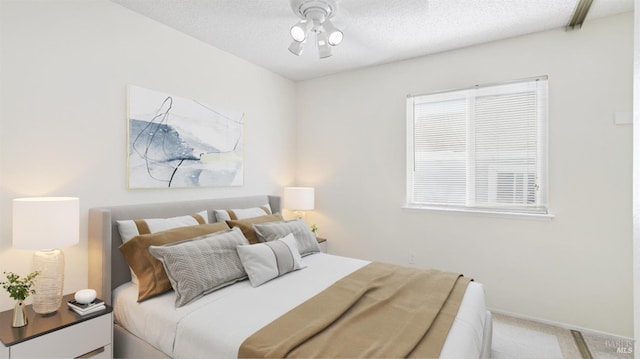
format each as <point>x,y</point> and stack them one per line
<point>64,69</point>
<point>574,269</point>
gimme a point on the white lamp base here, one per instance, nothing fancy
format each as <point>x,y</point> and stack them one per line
<point>49,283</point>
<point>300,215</point>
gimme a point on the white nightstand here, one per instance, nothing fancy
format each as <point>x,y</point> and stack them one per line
<point>322,242</point>
<point>63,334</point>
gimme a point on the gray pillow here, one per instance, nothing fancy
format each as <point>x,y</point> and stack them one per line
<point>203,264</point>
<point>306,240</point>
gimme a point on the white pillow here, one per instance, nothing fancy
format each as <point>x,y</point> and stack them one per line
<point>128,228</point>
<point>265,261</point>
<point>241,213</point>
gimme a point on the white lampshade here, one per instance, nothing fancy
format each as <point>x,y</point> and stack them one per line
<point>299,198</point>
<point>46,222</point>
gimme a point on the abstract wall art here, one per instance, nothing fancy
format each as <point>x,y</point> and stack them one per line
<point>179,142</point>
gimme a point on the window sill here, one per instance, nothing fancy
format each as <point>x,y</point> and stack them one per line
<point>483,213</point>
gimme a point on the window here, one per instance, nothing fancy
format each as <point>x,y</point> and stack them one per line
<point>483,148</point>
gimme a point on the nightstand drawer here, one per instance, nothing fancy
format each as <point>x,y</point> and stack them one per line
<point>69,342</point>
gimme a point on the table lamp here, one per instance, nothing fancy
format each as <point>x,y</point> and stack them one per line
<point>45,224</point>
<point>299,199</point>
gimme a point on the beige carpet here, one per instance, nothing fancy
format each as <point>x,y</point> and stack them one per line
<point>605,347</point>
<point>524,339</point>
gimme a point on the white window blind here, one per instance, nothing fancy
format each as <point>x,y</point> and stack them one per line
<point>483,148</point>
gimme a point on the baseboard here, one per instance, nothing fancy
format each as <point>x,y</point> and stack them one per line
<point>558,324</point>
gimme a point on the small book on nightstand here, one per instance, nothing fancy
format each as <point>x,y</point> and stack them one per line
<point>84,309</point>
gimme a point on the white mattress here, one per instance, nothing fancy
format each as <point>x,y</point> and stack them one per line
<point>217,324</point>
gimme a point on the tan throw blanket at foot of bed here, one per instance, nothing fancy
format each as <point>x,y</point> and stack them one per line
<point>379,311</point>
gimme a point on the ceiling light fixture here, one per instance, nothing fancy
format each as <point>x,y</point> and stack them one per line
<point>296,47</point>
<point>315,18</point>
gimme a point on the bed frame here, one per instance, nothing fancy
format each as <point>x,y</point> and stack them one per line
<point>108,269</point>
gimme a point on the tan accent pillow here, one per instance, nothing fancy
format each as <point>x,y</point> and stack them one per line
<point>152,278</point>
<point>246,225</point>
<point>131,228</point>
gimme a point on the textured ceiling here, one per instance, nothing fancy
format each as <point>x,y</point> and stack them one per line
<point>376,31</point>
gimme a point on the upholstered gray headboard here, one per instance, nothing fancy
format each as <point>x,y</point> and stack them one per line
<point>107,267</point>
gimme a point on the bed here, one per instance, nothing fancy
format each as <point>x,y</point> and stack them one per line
<point>209,326</point>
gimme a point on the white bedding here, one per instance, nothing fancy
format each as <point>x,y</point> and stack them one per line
<point>202,330</point>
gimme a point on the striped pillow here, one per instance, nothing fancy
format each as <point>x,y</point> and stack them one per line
<point>246,225</point>
<point>131,228</point>
<point>306,240</point>
<point>242,213</point>
<point>201,265</point>
<point>269,260</point>
<point>150,274</point>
